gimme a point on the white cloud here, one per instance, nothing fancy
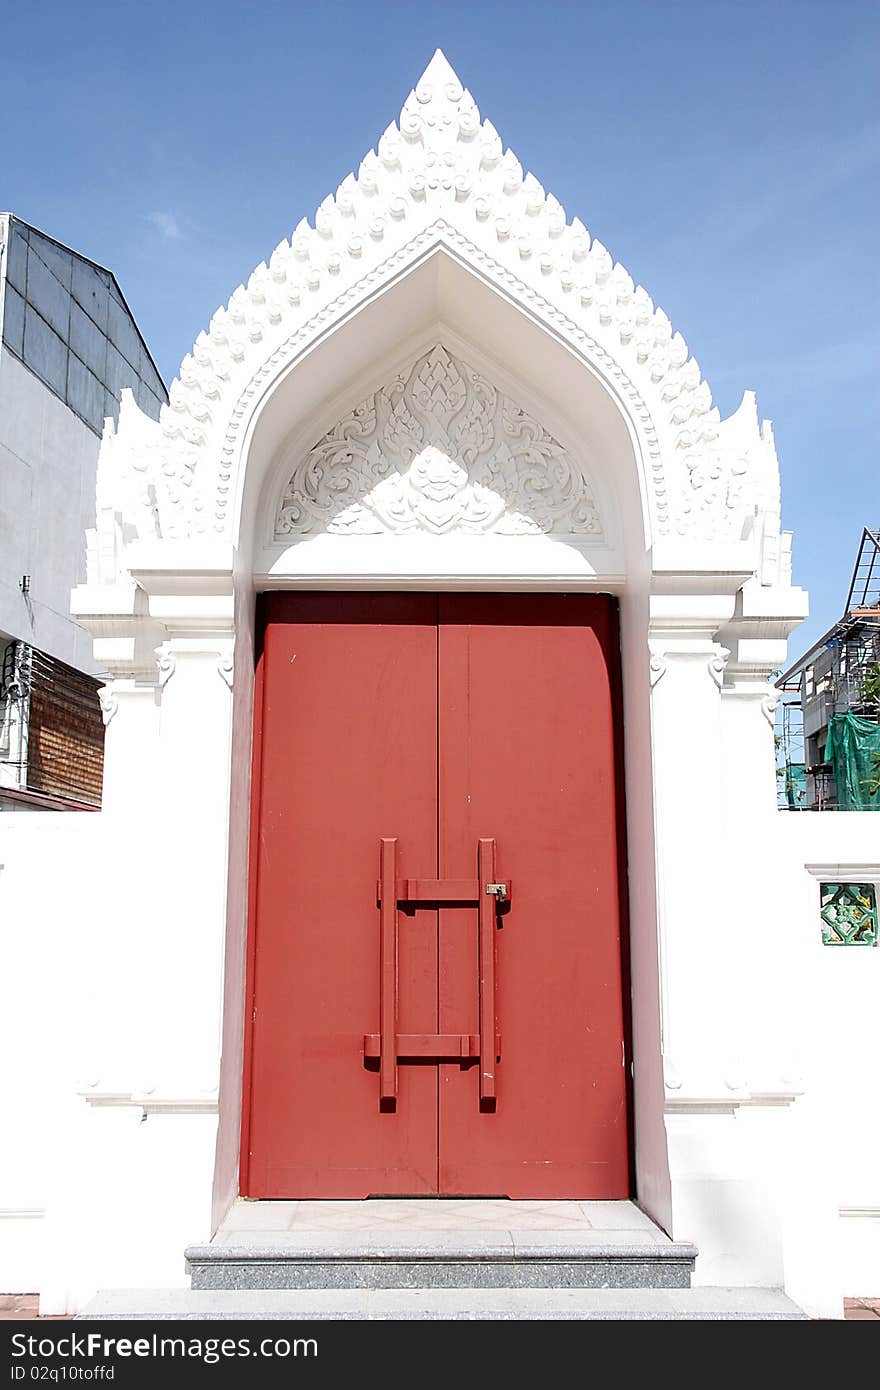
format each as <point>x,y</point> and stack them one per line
<point>167,225</point>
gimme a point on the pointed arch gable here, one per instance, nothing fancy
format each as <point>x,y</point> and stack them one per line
<point>440,178</point>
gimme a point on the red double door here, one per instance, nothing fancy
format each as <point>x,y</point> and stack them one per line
<point>436,722</point>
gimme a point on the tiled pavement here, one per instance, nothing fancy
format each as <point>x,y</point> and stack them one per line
<point>407,1217</point>
<point>21,1307</point>
<point>862,1309</point>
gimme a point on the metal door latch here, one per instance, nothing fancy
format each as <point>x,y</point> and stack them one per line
<point>497,890</point>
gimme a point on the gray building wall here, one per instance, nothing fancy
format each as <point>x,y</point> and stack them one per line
<point>48,459</point>
<point>68,345</point>
<point>65,319</point>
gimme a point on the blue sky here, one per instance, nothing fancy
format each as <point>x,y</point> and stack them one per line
<point>728,154</point>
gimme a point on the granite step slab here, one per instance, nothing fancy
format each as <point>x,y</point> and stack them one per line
<point>445,1304</point>
<point>434,1260</point>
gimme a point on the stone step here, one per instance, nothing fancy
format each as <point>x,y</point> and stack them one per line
<point>442,1260</point>
<point>446,1304</point>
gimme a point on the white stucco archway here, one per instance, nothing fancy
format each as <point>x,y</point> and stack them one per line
<point>441,240</point>
<point>564,394</point>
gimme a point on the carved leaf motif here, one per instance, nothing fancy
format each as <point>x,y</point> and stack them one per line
<point>439,450</point>
<point>474,431</point>
<point>438,387</point>
<point>402,434</point>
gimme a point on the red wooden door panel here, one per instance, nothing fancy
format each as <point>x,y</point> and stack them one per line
<point>527,756</point>
<point>349,754</point>
<point>438,722</point>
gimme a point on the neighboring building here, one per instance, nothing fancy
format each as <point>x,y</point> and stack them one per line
<point>831,718</point>
<point>529,702</point>
<point>68,347</point>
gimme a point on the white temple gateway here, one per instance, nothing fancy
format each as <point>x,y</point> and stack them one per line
<point>439,855</point>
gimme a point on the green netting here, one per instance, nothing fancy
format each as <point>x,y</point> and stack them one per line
<point>852,747</point>
<point>795,785</point>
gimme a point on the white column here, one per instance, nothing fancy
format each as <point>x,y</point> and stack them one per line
<point>757,893</point>
<point>722,1195</point>
<point>131,718</point>
<point>686,668</point>
<point>195,673</point>
<point>125,638</point>
<point>754,910</point>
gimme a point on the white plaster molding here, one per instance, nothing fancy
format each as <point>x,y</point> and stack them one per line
<point>793,1081</point>
<point>178,1105</point>
<point>671,1076</point>
<point>728,1105</point>
<point>439,177</point>
<point>109,702</point>
<point>167,663</point>
<point>125,490</point>
<point>657,667</point>
<point>700,1105</point>
<point>736,1075</point>
<point>93,1093</point>
<point>439,449</point>
<point>148,1097</point>
<point>716,665</point>
<point>226,666</point>
<point>151,1103</point>
<point>867,872</point>
<point>769,705</point>
<point>125,635</point>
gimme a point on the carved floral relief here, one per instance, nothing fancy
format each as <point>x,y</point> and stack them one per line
<point>438,450</point>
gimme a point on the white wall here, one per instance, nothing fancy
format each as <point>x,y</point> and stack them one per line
<point>775,1161</point>
<point>839,1034</point>
<point>109,1174</point>
<point>40,912</point>
<point>48,460</point>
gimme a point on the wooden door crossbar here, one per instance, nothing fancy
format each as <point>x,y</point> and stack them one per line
<point>485,893</point>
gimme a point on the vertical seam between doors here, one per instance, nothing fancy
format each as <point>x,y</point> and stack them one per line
<point>437,860</point>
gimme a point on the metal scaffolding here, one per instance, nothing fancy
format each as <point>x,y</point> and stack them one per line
<point>838,676</point>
